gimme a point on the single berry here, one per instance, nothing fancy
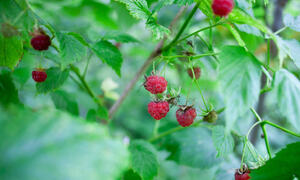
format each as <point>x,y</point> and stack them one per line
<point>242,175</point>
<point>186,116</point>
<point>155,84</point>
<point>211,117</point>
<point>222,7</point>
<point>118,45</point>
<point>40,41</point>
<point>39,75</point>
<point>197,72</point>
<point>159,109</point>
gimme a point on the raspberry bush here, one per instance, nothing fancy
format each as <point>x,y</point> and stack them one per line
<point>149,89</point>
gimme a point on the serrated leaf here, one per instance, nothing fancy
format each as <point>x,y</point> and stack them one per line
<point>192,147</point>
<point>79,38</point>
<point>143,159</point>
<point>55,78</point>
<point>249,29</point>
<point>71,49</point>
<point>7,89</point>
<point>223,141</point>
<point>158,31</point>
<point>286,88</point>
<point>251,156</point>
<point>63,101</point>
<point>236,35</point>
<point>284,166</point>
<point>292,22</point>
<point>11,49</point>
<point>50,144</point>
<point>109,54</point>
<point>240,81</point>
<point>292,49</point>
<point>137,8</point>
<point>120,37</point>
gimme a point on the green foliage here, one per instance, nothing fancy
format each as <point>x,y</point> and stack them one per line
<point>55,79</point>
<point>143,159</point>
<point>7,89</point>
<point>109,54</point>
<point>223,141</point>
<point>120,37</point>
<point>292,48</point>
<point>292,22</point>
<point>285,165</point>
<point>54,145</point>
<point>239,76</point>
<point>251,156</point>
<point>11,49</point>
<point>64,101</point>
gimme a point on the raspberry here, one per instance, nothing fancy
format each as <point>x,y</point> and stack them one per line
<point>222,7</point>
<point>211,117</point>
<point>197,72</point>
<point>39,75</point>
<point>155,84</point>
<point>244,175</point>
<point>185,117</point>
<point>40,40</point>
<point>158,110</point>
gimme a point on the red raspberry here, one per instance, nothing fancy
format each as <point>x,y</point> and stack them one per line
<point>158,110</point>
<point>197,72</point>
<point>242,176</point>
<point>222,7</point>
<point>185,117</point>
<point>39,75</point>
<point>40,40</point>
<point>155,84</point>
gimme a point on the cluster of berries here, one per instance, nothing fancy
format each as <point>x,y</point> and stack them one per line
<point>242,174</point>
<point>158,109</point>
<point>40,41</point>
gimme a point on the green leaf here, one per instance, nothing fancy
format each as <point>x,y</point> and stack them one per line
<point>143,159</point>
<point>102,112</point>
<point>8,91</point>
<point>192,147</point>
<point>109,54</point>
<point>236,35</point>
<point>62,100</point>
<point>251,156</point>
<point>240,81</point>
<point>50,144</point>
<point>79,38</point>
<point>292,49</point>
<point>223,141</point>
<point>11,49</point>
<point>71,49</point>
<point>137,8</point>
<point>249,29</point>
<point>287,91</point>
<point>120,37</point>
<point>284,166</point>
<point>292,22</point>
<point>55,79</point>
<point>158,31</point>
<point>91,115</point>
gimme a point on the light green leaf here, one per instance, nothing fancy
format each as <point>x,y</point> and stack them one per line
<point>11,49</point>
<point>249,29</point>
<point>62,100</point>
<point>109,54</point>
<point>137,8</point>
<point>240,81</point>
<point>292,22</point>
<point>143,159</point>
<point>236,35</point>
<point>284,166</point>
<point>120,37</point>
<point>79,38</point>
<point>71,49</point>
<point>158,31</point>
<point>50,144</point>
<point>251,156</point>
<point>223,141</point>
<point>55,78</point>
<point>287,91</point>
<point>292,49</point>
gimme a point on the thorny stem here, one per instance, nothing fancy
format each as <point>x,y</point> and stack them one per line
<point>191,57</point>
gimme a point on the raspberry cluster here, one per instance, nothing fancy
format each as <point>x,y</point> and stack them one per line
<point>185,116</point>
<point>155,84</point>
<point>158,110</point>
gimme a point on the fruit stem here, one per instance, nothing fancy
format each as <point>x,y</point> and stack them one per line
<point>155,129</point>
<point>192,57</point>
<point>204,102</point>
<point>186,22</point>
<point>282,128</point>
<point>243,153</point>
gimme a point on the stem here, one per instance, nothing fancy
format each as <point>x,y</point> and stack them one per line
<point>243,153</point>
<point>280,30</point>
<point>173,42</point>
<point>251,128</point>
<point>191,57</point>
<point>282,128</point>
<point>87,65</point>
<point>268,53</point>
<point>204,102</point>
<point>155,129</point>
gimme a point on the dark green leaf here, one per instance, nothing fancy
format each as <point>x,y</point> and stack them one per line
<point>223,141</point>
<point>11,49</point>
<point>143,159</point>
<point>284,166</point>
<point>55,78</point>
<point>8,91</point>
<point>239,76</point>
<point>109,54</point>
<point>64,101</point>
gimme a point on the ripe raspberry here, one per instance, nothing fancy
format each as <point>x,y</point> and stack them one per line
<point>39,75</point>
<point>242,175</point>
<point>155,84</point>
<point>158,110</point>
<point>197,72</point>
<point>40,41</point>
<point>211,117</point>
<point>185,117</point>
<point>222,7</point>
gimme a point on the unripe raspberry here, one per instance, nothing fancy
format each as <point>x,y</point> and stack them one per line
<point>39,75</point>
<point>185,117</point>
<point>155,84</point>
<point>40,41</point>
<point>158,110</point>
<point>197,72</point>
<point>211,117</point>
<point>222,7</point>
